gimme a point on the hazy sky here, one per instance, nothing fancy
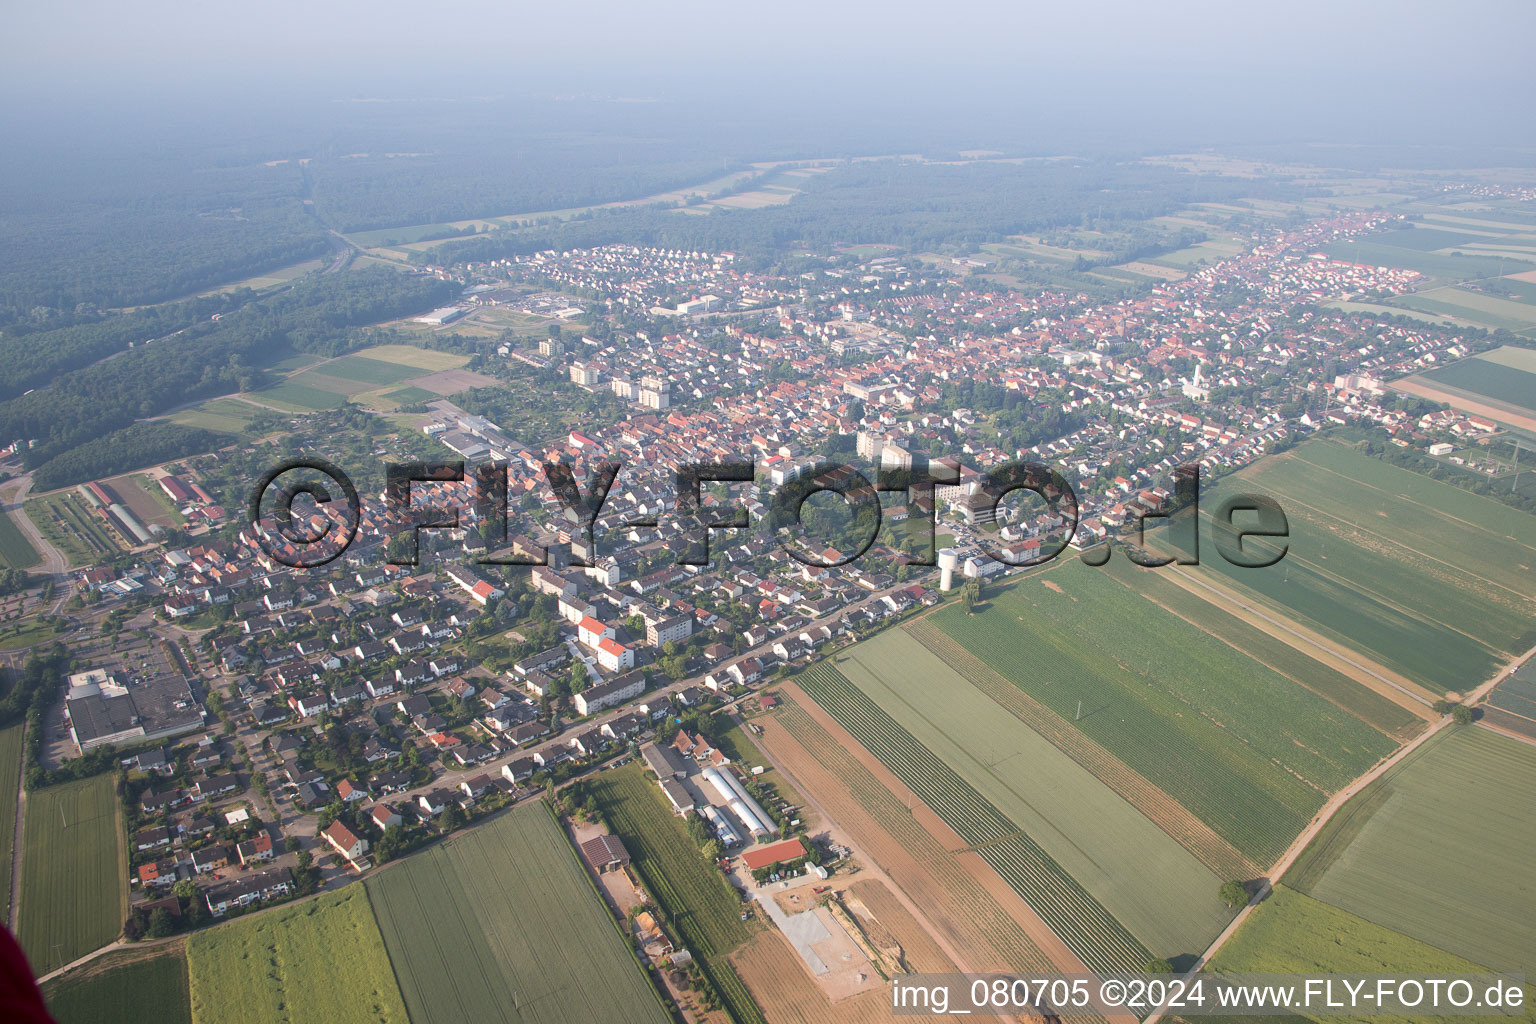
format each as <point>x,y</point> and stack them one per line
<point>1463,63</point>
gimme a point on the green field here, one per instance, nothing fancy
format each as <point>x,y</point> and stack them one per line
<point>226,415</point>
<point>1371,252</point>
<point>701,906</point>
<point>293,397</point>
<point>1108,846</point>
<point>1249,752</point>
<point>16,552</point>
<point>127,988</point>
<point>1291,933</point>
<point>422,360</point>
<point>1489,379</point>
<point>1439,848</point>
<point>1088,929</point>
<point>318,960</point>
<point>74,872</point>
<point>1426,579</point>
<point>363,370</point>
<point>409,396</point>
<point>502,924</point>
<point>10,786</point>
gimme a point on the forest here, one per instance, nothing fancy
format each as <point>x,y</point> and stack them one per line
<point>895,202</point>
<point>82,407</point>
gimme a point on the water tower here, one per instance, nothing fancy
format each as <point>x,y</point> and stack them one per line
<point>949,561</point>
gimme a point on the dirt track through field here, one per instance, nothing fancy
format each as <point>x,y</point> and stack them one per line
<point>983,923</point>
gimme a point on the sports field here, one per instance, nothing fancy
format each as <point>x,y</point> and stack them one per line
<point>74,872</point>
<point>318,960</point>
<point>1438,849</point>
<point>502,924</point>
<point>10,785</point>
<point>1103,842</point>
<point>1245,749</point>
<point>702,907</point>
<point>1428,580</point>
<point>16,552</point>
<point>147,986</point>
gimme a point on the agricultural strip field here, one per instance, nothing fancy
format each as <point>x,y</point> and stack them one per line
<point>1098,939</point>
<point>425,360</point>
<point>317,960</point>
<point>16,552</point>
<point>700,905</point>
<point>363,370</point>
<point>293,397</point>
<point>1247,751</point>
<point>1173,818</point>
<point>1437,847</point>
<point>10,787</point>
<point>1100,840</point>
<point>1435,587</point>
<point>962,897</point>
<point>1292,933</point>
<point>145,986</point>
<point>1446,267</point>
<point>74,870</point>
<point>502,924</point>
<point>1489,379</point>
<point>71,527</point>
<point>1512,704</point>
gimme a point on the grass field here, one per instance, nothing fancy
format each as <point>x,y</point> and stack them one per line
<point>226,415</point>
<point>425,360</point>
<point>141,987</point>
<point>1291,933</point>
<point>1438,848</point>
<point>294,397</point>
<point>10,784</point>
<point>16,552</point>
<point>1426,579</point>
<point>502,924</point>
<point>320,960</point>
<point>74,872</point>
<point>364,370</point>
<point>409,396</point>
<point>1244,748</point>
<point>1088,929</point>
<point>702,907</point>
<point>1491,380</point>
<point>1103,842</point>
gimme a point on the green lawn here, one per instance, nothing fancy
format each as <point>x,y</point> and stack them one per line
<point>1248,751</point>
<point>319,960</point>
<point>16,552</point>
<point>702,907</point>
<point>501,923</point>
<point>1144,878</point>
<point>74,872</point>
<point>1427,579</point>
<point>1292,933</point>
<point>127,988</point>
<point>1439,848</point>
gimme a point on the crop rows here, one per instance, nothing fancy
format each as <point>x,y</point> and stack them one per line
<point>73,872</point>
<point>1002,935</point>
<point>1169,815</point>
<point>696,901</point>
<point>1081,922</point>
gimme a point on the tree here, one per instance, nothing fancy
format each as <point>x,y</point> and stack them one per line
<point>1158,966</point>
<point>453,818</point>
<point>1234,894</point>
<point>160,924</point>
<point>185,889</point>
<point>1462,714</point>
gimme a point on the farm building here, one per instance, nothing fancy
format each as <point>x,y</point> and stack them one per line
<point>773,853</point>
<point>605,852</point>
